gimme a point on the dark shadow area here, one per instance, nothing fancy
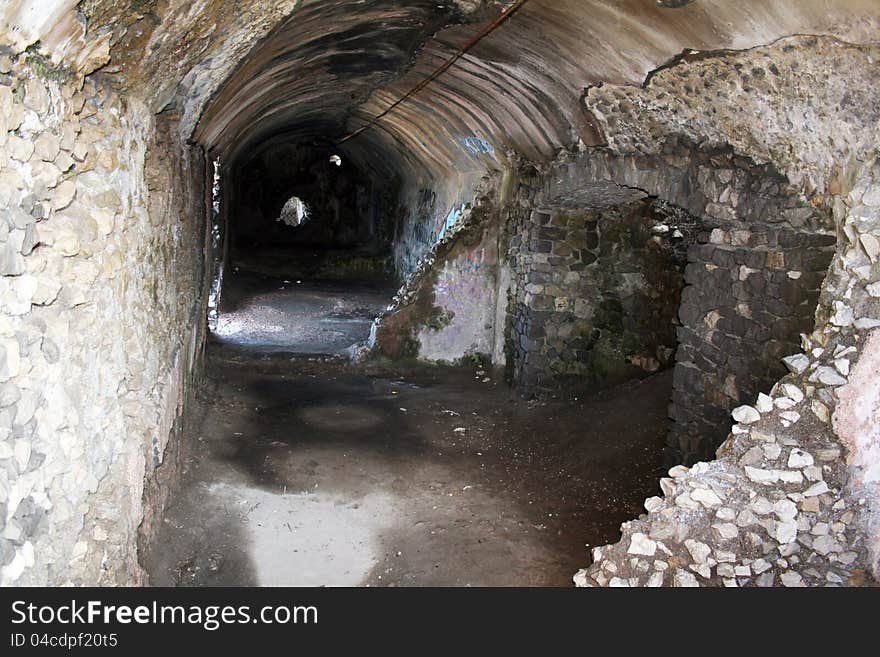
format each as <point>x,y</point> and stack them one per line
<point>304,211</point>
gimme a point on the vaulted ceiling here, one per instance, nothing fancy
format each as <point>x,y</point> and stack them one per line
<point>245,73</point>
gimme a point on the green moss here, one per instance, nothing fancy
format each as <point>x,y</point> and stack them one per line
<point>477,359</point>
<point>43,67</point>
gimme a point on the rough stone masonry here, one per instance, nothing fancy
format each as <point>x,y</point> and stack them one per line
<point>754,123</point>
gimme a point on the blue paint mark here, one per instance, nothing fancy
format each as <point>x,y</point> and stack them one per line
<point>477,146</point>
<point>450,220</point>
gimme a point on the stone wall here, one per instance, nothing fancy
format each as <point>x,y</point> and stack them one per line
<point>793,498</point>
<point>750,293</point>
<point>99,246</point>
<point>748,233</point>
<point>595,294</point>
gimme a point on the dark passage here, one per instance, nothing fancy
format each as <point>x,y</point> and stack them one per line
<point>304,469</point>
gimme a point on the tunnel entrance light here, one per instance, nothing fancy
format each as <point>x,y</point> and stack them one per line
<point>295,212</point>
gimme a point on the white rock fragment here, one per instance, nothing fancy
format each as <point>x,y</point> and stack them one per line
<point>871,197</point>
<point>699,551</point>
<point>764,403</point>
<point>785,510</point>
<point>641,544</point>
<point>746,415</point>
<point>813,473</point>
<point>725,514</point>
<point>797,363</point>
<point>724,556</point>
<point>761,476</point>
<point>834,578</point>
<point>761,506</point>
<point>684,501</point>
<point>704,570</point>
<point>791,416</point>
<point>678,471</point>
<point>786,532</point>
<point>871,245</point>
<point>820,410</point>
<point>792,579</point>
<point>726,530</point>
<point>760,565</point>
<point>580,578</point>
<point>684,579</point>
<point>819,529</point>
<point>843,314</point>
<point>706,497</point>
<point>765,580</point>
<point>798,458</point>
<point>826,544</point>
<point>816,489</point>
<point>23,559</point>
<point>828,376</point>
<point>790,476</point>
<point>793,392</point>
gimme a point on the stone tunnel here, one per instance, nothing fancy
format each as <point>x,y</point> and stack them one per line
<point>286,274</point>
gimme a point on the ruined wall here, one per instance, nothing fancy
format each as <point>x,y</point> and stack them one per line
<point>752,235</point>
<point>595,294</point>
<point>793,497</point>
<point>464,290</point>
<point>448,307</point>
<point>99,298</point>
<point>750,293</point>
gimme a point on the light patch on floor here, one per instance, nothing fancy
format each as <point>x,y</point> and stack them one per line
<point>309,538</point>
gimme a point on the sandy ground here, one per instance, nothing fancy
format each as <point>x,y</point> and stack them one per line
<point>305,471</point>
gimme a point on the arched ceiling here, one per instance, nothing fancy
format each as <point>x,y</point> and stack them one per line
<point>256,70</point>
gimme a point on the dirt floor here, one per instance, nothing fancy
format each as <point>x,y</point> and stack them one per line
<point>306,471</point>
